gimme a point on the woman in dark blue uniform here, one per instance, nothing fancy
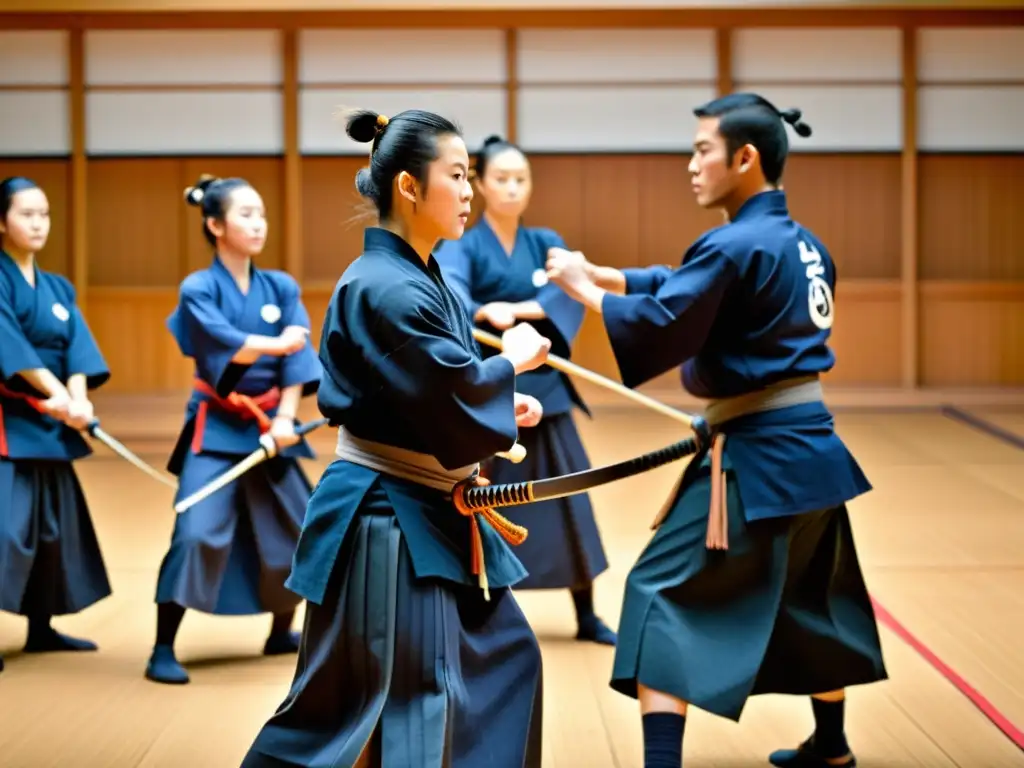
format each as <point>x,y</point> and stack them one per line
<point>497,268</point>
<point>414,651</point>
<point>50,560</point>
<point>247,331</point>
<point>751,583</point>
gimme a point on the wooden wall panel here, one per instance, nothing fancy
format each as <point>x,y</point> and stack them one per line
<point>141,231</point>
<point>970,217</point>
<point>972,334</point>
<point>332,216</point>
<point>852,202</point>
<point>54,177</point>
<point>130,327</point>
<point>136,222</point>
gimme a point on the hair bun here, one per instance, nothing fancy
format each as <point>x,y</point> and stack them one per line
<point>493,139</point>
<point>362,125</point>
<point>194,195</point>
<point>792,116</point>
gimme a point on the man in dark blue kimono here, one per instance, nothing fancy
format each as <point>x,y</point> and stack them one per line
<point>751,583</point>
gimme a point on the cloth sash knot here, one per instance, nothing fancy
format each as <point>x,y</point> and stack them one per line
<point>424,469</point>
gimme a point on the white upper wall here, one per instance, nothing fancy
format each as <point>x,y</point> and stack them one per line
<point>200,92</point>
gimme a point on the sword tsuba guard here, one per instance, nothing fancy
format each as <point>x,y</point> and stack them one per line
<point>702,430</point>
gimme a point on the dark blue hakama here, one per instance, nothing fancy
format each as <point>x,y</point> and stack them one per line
<point>783,610</point>
<point>50,559</point>
<point>427,669</point>
<point>231,553</point>
<point>564,548</point>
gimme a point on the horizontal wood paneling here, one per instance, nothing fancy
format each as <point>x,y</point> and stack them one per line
<point>970,221</point>
<point>624,210</point>
<point>130,327</point>
<point>972,334</point>
<point>142,233</point>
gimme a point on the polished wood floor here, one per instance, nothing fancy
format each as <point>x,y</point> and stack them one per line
<point>941,541</point>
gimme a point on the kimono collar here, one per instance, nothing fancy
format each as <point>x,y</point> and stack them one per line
<point>223,274</point>
<point>7,264</point>
<point>764,204</point>
<point>380,239</point>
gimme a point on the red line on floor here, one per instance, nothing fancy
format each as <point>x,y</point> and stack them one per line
<point>987,708</point>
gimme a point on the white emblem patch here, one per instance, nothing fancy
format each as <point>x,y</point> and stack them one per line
<point>270,313</point>
<point>819,296</point>
<point>540,278</point>
<point>61,312</point>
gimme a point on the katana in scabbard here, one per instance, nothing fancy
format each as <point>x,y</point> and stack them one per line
<point>517,494</point>
<point>94,431</point>
<point>266,451</point>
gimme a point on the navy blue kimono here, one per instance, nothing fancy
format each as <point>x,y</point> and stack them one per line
<point>401,655</point>
<point>564,549</point>
<point>231,553</point>
<point>750,306</point>
<point>50,560</point>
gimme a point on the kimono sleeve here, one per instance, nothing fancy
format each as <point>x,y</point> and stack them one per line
<point>461,407</point>
<point>203,333</point>
<point>84,356</point>
<point>646,280</point>
<point>455,262</point>
<point>651,334</point>
<point>564,315</point>
<point>16,352</point>
<point>302,367</point>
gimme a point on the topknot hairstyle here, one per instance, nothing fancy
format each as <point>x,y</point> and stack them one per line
<point>747,118</point>
<point>406,142</point>
<point>213,197</point>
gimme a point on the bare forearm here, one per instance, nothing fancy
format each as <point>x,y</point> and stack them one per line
<point>44,381</point>
<point>77,388</point>
<point>608,278</point>
<point>290,399</point>
<point>529,310</point>
<point>255,346</point>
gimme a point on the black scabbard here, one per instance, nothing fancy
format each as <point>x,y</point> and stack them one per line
<point>517,494</point>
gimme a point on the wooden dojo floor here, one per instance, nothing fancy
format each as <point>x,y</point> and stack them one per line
<point>940,538</point>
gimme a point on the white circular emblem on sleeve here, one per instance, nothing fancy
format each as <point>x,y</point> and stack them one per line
<point>819,302</point>
<point>61,312</point>
<point>540,278</point>
<point>270,313</point>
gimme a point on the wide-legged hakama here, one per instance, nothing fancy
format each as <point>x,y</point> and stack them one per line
<point>783,610</point>
<point>564,548</point>
<point>426,669</point>
<point>231,553</point>
<point>50,559</point>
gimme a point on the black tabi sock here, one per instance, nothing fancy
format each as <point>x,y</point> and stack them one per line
<point>583,599</point>
<point>663,739</point>
<point>168,619</point>
<point>829,735</point>
<point>282,623</point>
<point>39,626</point>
